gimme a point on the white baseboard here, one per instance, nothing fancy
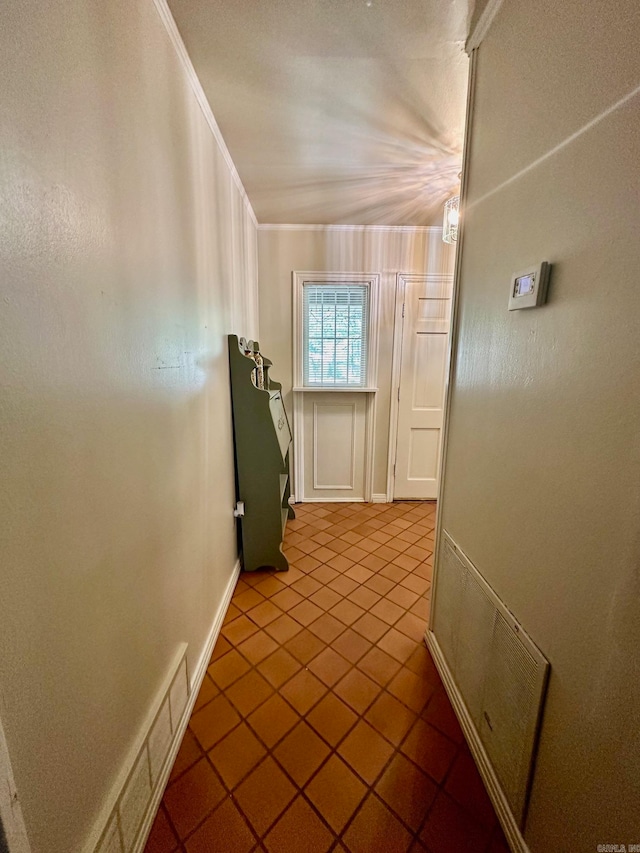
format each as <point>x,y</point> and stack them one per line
<point>195,684</point>
<point>331,500</point>
<point>127,816</point>
<point>505,816</point>
<point>375,499</point>
<point>205,657</point>
<point>125,807</point>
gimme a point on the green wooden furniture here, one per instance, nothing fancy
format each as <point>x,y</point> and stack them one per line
<point>262,440</point>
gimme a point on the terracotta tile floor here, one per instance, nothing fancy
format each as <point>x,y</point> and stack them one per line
<point>322,724</point>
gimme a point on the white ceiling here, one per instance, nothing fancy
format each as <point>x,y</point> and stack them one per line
<point>336,111</point>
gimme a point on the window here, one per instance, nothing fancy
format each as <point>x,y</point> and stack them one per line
<point>335,331</point>
<point>335,326</point>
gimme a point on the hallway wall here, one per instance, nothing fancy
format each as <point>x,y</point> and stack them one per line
<point>387,251</point>
<point>543,462</point>
<point>127,254</point>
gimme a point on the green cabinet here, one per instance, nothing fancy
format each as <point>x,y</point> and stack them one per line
<point>262,440</point>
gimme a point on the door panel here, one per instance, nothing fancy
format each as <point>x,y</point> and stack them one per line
<point>423,454</point>
<point>429,362</point>
<point>423,364</point>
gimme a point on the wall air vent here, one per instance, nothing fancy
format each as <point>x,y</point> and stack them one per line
<point>500,674</point>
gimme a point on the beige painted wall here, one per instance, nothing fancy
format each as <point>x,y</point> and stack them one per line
<point>543,463</point>
<point>384,251</point>
<point>127,254</point>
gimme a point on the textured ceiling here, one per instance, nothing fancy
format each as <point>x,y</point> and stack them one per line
<point>336,111</point>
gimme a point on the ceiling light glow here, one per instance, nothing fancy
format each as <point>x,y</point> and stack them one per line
<point>450,220</point>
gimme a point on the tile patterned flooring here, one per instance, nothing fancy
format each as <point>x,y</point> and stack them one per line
<point>322,724</point>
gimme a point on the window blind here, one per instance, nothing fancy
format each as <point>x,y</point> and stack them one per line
<point>335,334</point>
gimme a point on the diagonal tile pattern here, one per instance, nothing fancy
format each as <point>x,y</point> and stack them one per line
<point>322,724</point>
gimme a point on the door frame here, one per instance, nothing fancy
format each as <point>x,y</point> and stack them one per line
<point>402,279</point>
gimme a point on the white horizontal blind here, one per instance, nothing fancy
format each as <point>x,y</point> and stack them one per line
<point>335,334</point>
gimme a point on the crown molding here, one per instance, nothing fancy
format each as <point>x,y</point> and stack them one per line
<point>391,228</point>
<point>483,25</point>
<point>176,39</point>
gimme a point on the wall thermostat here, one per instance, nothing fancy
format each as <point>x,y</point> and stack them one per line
<point>528,289</point>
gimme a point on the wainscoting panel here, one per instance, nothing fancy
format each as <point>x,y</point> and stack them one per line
<point>499,672</point>
<point>334,446</point>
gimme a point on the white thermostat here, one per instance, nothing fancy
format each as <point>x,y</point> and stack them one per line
<point>528,289</point>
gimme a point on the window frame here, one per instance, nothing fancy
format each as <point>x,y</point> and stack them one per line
<point>371,281</point>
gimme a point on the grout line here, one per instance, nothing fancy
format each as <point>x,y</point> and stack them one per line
<point>176,834</point>
<point>381,689</point>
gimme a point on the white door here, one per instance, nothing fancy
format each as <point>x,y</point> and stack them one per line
<point>424,352</point>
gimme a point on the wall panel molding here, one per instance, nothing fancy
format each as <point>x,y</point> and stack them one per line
<point>507,820</point>
<point>341,486</point>
<point>417,229</point>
